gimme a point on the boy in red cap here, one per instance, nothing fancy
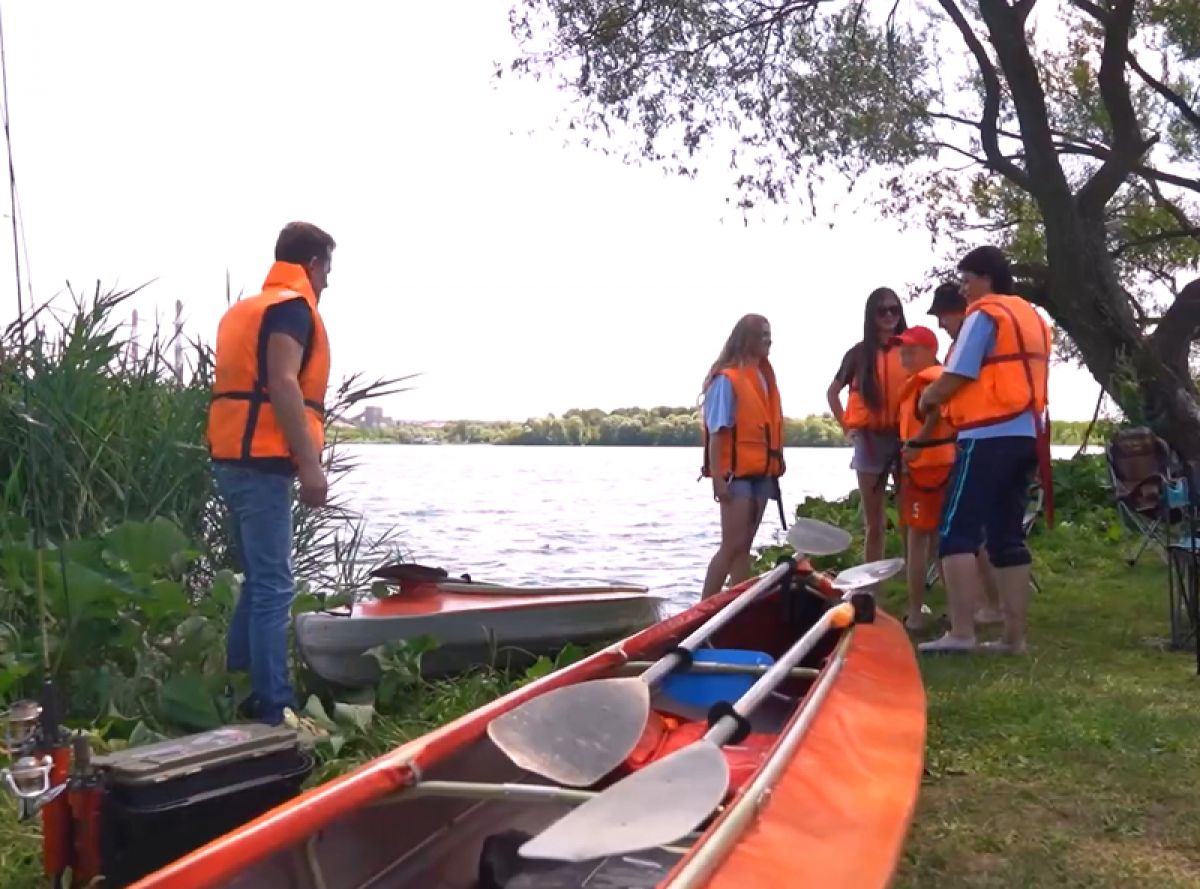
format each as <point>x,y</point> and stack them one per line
<point>928,456</point>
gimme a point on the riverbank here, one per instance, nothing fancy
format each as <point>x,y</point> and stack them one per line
<point>1072,766</point>
<point>625,427</point>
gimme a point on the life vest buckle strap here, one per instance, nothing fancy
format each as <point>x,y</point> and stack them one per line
<point>929,442</point>
<point>262,397</point>
<point>241,396</point>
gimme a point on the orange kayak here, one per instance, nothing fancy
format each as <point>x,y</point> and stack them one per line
<point>821,790</point>
<point>472,623</point>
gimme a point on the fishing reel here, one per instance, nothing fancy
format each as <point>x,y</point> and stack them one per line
<point>28,778</point>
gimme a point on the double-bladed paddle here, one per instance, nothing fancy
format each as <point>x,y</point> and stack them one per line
<point>577,734</point>
<point>668,799</point>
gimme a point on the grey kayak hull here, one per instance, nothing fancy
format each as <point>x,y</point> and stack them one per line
<point>334,645</point>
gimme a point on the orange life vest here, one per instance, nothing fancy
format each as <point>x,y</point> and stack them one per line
<point>754,446</point>
<point>890,374</point>
<point>1015,377</point>
<point>241,420</point>
<point>930,466</point>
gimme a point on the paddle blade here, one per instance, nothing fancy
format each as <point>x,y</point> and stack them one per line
<point>577,734</point>
<point>652,807</point>
<point>705,689</point>
<point>867,574</point>
<point>816,538</point>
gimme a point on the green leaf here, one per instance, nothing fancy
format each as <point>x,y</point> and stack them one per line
<point>357,715</point>
<point>165,599</point>
<point>305,602</point>
<point>146,546</point>
<point>314,709</point>
<point>142,734</point>
<point>187,702</point>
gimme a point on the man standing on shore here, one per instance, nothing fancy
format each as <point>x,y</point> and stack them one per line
<point>994,393</point>
<point>265,429</point>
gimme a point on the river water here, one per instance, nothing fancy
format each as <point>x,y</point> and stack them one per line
<point>571,515</point>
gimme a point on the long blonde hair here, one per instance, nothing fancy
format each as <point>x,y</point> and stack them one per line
<point>738,348</point>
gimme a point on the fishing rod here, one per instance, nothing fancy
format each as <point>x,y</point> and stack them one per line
<point>34,736</point>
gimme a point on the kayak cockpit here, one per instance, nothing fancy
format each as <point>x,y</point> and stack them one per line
<point>457,822</point>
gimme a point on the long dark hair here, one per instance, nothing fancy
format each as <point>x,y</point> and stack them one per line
<point>868,378</point>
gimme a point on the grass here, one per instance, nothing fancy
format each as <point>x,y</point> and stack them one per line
<point>1077,765</point>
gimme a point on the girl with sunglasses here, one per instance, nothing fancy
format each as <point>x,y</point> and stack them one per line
<point>872,371</point>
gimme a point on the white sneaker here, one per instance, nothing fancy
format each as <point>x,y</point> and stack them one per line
<point>947,644</point>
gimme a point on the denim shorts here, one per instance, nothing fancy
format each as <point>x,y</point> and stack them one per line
<point>761,487</point>
<point>873,449</point>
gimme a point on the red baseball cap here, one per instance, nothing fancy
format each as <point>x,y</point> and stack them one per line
<point>916,336</point>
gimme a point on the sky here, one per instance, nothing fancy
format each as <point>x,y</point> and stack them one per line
<point>166,144</point>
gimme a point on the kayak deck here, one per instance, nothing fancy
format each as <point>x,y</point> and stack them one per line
<point>435,602</point>
<point>825,799</point>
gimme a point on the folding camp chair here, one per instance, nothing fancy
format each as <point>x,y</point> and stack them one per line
<point>1037,500</point>
<point>1150,494</point>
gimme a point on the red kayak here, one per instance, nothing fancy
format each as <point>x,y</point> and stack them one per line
<point>816,772</point>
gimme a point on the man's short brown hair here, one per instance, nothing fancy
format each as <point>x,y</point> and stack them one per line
<point>302,242</point>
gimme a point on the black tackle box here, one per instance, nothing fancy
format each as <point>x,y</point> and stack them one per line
<point>162,800</point>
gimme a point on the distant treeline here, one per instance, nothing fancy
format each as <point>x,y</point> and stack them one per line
<point>636,426</point>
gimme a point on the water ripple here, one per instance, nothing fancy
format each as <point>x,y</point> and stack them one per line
<point>527,515</point>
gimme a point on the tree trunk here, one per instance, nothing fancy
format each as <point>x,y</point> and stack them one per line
<point>1086,298</point>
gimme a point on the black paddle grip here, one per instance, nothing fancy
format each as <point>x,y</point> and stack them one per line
<point>719,711</point>
<point>864,608</point>
<point>789,559</point>
<point>685,658</point>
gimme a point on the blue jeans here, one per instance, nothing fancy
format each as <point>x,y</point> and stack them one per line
<point>260,512</point>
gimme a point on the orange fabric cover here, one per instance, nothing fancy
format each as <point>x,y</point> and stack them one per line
<point>840,812</point>
<point>664,735</point>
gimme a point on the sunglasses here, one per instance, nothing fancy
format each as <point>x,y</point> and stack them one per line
<point>887,310</point>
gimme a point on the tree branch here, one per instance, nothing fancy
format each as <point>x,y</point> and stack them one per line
<point>1032,281</point>
<point>991,101</point>
<point>1190,114</point>
<point>1091,9</point>
<point>1170,206</point>
<point>1190,232</point>
<point>1006,27</point>
<point>1179,325</point>
<point>1148,173</point>
<point>1128,146</point>
<point>780,13</point>
<point>1023,8</point>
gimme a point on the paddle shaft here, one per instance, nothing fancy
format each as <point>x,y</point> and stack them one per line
<point>763,585</point>
<point>727,725</point>
<point>717,668</point>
